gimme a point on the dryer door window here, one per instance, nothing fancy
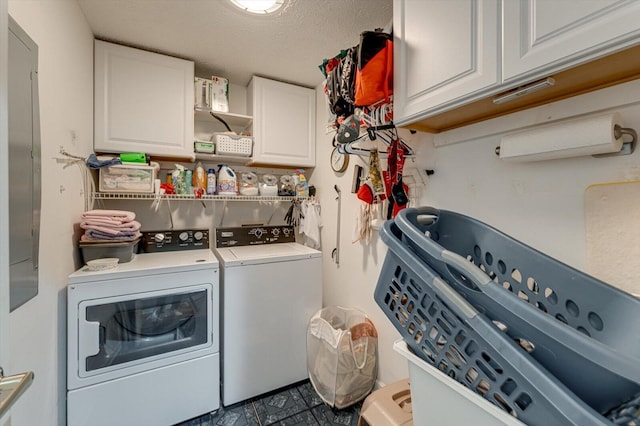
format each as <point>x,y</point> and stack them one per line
<point>131,330</point>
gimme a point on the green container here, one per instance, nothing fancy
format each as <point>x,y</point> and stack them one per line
<point>133,157</point>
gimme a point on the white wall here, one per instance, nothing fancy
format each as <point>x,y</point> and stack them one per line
<point>38,328</point>
<point>4,193</point>
<point>541,204</point>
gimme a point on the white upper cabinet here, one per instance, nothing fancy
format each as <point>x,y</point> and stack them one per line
<point>284,118</point>
<point>443,51</point>
<point>452,57</point>
<point>543,36</point>
<point>143,102</point>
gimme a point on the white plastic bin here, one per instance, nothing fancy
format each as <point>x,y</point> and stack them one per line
<point>440,400</point>
<point>127,178</point>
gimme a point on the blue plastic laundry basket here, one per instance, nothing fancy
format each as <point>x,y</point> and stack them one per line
<point>441,327</point>
<point>444,329</point>
<point>584,331</point>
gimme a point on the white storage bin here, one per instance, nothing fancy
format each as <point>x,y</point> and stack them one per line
<point>228,144</point>
<point>439,400</point>
<point>127,178</point>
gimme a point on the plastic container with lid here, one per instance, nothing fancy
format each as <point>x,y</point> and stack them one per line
<point>248,184</point>
<point>269,186</point>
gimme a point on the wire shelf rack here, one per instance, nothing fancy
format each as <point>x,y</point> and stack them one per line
<point>172,197</point>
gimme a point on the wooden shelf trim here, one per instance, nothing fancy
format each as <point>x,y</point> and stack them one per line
<point>608,71</point>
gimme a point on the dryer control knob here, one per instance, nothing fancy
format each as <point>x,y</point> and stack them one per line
<point>158,238</point>
<point>198,235</point>
<point>184,236</point>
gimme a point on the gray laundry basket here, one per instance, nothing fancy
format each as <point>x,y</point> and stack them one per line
<point>584,331</point>
<point>442,328</point>
<point>445,330</point>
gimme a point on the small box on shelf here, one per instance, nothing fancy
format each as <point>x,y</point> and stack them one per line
<point>204,147</point>
<point>219,94</point>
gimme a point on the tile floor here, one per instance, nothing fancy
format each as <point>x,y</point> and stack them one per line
<point>296,405</point>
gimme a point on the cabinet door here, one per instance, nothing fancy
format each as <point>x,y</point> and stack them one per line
<point>143,102</point>
<point>544,36</point>
<point>445,52</point>
<point>284,123</point>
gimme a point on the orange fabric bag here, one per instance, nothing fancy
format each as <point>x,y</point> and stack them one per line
<point>374,77</point>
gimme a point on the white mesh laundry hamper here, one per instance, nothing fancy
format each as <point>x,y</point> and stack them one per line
<point>342,360</point>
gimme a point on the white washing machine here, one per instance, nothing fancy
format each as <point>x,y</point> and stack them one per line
<point>143,338</point>
<point>271,287</point>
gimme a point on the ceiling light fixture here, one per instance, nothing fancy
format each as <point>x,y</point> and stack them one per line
<point>259,6</point>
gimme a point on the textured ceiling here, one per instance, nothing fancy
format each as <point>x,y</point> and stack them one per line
<point>224,41</point>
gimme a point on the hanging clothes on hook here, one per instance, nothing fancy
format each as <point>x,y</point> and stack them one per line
<point>396,189</point>
<point>388,133</point>
<point>379,114</point>
<point>366,212</point>
<point>310,222</point>
<point>364,223</point>
<point>293,215</point>
<point>375,174</point>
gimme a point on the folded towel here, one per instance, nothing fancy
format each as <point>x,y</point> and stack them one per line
<point>93,162</point>
<point>95,235</point>
<point>103,221</point>
<point>120,215</point>
<point>86,240</point>
<point>99,224</point>
<point>110,230</point>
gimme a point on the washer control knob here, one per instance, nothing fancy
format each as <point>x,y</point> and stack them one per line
<point>258,232</point>
<point>198,235</point>
<point>158,238</point>
<point>275,232</point>
<point>184,236</point>
<point>286,231</point>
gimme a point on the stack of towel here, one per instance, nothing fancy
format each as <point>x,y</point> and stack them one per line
<point>109,225</point>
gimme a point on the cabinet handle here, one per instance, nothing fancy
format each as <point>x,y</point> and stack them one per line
<point>524,90</point>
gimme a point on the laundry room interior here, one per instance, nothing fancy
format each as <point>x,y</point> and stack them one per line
<point>451,186</point>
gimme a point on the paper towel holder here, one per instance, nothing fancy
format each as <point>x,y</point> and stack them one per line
<point>618,131</point>
<point>627,147</point>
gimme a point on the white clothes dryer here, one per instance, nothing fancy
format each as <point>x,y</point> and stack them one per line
<point>143,338</point>
<point>271,286</point>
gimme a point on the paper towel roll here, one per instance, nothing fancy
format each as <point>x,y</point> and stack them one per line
<point>571,138</point>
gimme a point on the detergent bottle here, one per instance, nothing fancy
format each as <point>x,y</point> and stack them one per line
<point>211,182</point>
<point>200,177</point>
<point>226,180</point>
<point>302,186</point>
